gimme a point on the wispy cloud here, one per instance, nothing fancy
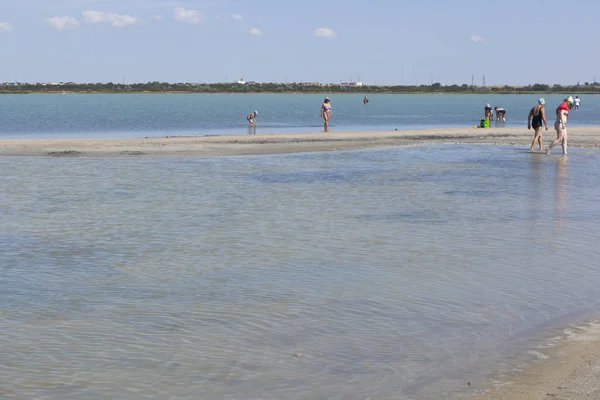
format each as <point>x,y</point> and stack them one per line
<point>63,23</point>
<point>98,17</point>
<point>188,16</point>
<point>477,38</point>
<point>324,32</point>
<point>6,27</point>
<point>255,32</point>
<point>158,17</point>
<point>237,17</point>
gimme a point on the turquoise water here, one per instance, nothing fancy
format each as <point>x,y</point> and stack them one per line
<point>396,273</point>
<point>153,115</point>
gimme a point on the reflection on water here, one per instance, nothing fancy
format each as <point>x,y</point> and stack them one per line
<point>560,201</point>
<point>396,273</point>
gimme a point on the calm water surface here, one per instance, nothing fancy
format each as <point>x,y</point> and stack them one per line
<point>154,115</point>
<point>397,273</point>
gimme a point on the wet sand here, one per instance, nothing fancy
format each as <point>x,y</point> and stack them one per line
<point>569,369</point>
<point>200,146</point>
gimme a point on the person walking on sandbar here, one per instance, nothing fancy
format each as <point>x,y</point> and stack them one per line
<point>537,119</point>
<point>560,125</point>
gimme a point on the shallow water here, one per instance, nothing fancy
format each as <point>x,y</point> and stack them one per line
<point>396,273</point>
<point>154,115</point>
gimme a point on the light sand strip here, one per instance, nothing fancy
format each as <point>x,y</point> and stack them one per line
<point>198,146</point>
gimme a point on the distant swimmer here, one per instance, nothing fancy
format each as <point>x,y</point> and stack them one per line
<point>252,118</point>
<point>365,100</point>
<point>500,114</point>
<point>326,113</point>
<point>488,112</point>
<point>560,125</point>
<point>536,119</point>
<point>576,103</point>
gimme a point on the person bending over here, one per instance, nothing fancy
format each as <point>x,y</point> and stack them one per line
<point>500,114</point>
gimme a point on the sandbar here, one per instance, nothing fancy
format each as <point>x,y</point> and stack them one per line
<point>232,145</point>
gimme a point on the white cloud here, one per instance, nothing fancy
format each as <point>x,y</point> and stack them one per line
<point>477,38</point>
<point>255,32</point>
<point>237,17</point>
<point>97,17</point>
<point>158,18</point>
<point>62,23</point>
<point>6,27</point>
<point>324,32</point>
<point>188,16</point>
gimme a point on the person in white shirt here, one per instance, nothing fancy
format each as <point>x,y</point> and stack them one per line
<point>576,103</point>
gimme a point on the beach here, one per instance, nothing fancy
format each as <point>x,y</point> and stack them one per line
<point>568,368</point>
<point>203,146</point>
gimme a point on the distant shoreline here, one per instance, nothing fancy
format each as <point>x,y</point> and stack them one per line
<point>290,92</point>
<point>236,145</point>
<point>292,88</point>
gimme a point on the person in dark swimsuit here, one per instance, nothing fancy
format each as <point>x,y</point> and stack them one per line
<point>500,114</point>
<point>536,117</point>
<point>252,118</point>
<point>488,113</point>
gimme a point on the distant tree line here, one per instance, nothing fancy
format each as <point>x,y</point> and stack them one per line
<point>166,87</point>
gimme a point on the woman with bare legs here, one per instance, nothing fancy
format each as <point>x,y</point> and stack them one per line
<point>560,125</point>
<point>536,119</point>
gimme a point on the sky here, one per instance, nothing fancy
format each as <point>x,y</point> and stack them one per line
<point>376,41</point>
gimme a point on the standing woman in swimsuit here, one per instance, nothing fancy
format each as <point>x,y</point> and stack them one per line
<point>488,113</point>
<point>326,112</point>
<point>535,119</point>
<point>561,125</point>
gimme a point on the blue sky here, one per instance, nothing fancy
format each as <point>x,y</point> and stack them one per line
<point>378,41</point>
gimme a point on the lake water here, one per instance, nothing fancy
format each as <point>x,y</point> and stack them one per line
<point>155,115</point>
<point>396,273</point>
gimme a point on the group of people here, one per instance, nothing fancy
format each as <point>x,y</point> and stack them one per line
<point>537,119</point>
<point>326,113</point>
<point>500,113</point>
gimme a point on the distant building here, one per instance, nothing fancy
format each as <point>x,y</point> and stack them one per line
<point>241,81</point>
